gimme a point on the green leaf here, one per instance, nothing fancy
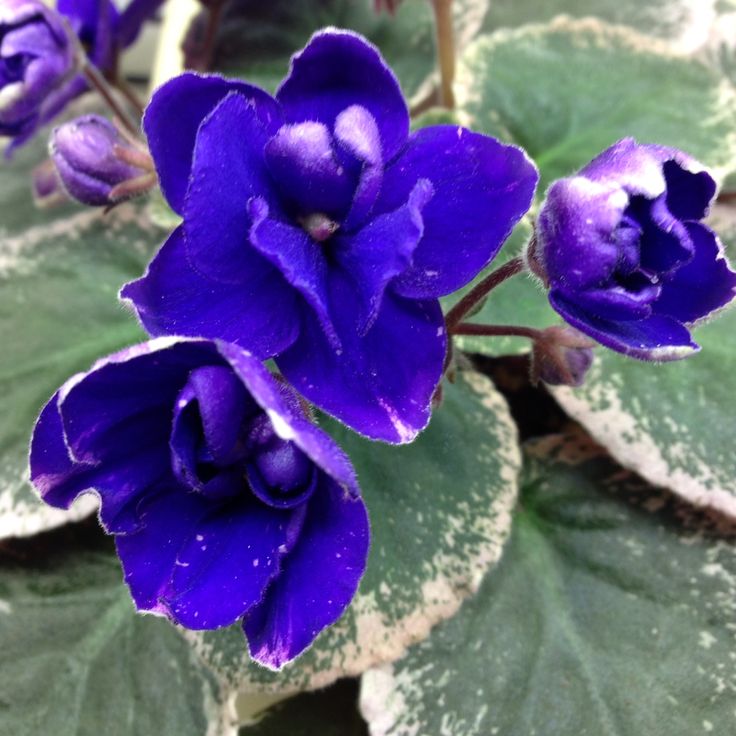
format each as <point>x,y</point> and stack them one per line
<point>58,313</point>
<point>520,301</point>
<point>440,515</point>
<point>257,43</point>
<point>569,89</point>
<point>78,661</point>
<point>329,712</point>
<point>611,612</point>
<point>683,23</point>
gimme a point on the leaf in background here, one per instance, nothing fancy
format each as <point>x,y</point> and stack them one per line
<point>683,23</point>
<point>78,661</point>
<point>257,39</point>
<point>329,712</point>
<point>611,612</point>
<point>568,89</point>
<point>440,513</point>
<point>58,314</point>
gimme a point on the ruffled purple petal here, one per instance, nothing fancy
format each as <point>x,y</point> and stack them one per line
<point>689,193</point>
<point>225,563</point>
<point>382,250</point>
<point>318,581</point>
<point>701,286</point>
<point>576,230</point>
<point>381,383</point>
<point>174,299</point>
<point>307,171</point>
<point>228,169</point>
<point>288,419</point>
<point>136,13</point>
<point>297,257</point>
<point>173,117</point>
<point>338,69</point>
<point>657,338</point>
<point>482,189</point>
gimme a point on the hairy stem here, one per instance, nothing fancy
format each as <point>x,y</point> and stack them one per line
<point>497,330</point>
<point>475,295</point>
<point>99,83</point>
<point>445,50</point>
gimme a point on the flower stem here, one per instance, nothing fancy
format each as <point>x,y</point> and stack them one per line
<point>130,94</point>
<point>497,330</point>
<point>99,83</point>
<point>214,16</point>
<point>490,282</point>
<point>445,50</point>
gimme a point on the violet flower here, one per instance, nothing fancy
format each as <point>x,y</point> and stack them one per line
<point>225,501</point>
<point>318,230</point>
<point>87,152</point>
<point>626,257</point>
<point>36,59</point>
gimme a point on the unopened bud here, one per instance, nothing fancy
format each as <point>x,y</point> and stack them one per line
<point>96,164</point>
<point>561,356</point>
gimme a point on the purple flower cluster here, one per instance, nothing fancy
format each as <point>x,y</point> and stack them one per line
<point>623,250</point>
<point>38,75</point>
<point>226,503</point>
<point>318,231</point>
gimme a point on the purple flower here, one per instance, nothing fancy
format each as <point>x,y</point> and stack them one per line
<point>624,253</point>
<point>317,230</point>
<point>226,503</point>
<point>87,153</point>
<point>35,60</point>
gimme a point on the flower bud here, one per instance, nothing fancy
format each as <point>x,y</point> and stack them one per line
<point>36,58</point>
<point>561,357</point>
<point>95,163</point>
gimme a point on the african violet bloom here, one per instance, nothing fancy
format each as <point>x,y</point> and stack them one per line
<point>624,253</point>
<point>88,153</point>
<point>226,503</point>
<point>36,59</point>
<point>317,230</point>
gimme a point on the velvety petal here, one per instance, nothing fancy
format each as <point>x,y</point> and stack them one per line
<point>657,338</point>
<point>174,299</point>
<point>636,168</point>
<point>228,169</point>
<point>318,581</point>
<point>701,286</point>
<point>482,188</point>
<point>576,226</point>
<point>288,418</point>
<point>665,241</point>
<point>382,250</point>
<point>148,556</point>
<point>173,117</point>
<point>119,484</point>
<point>297,256</point>
<point>617,302</point>
<point>357,132</point>
<point>307,171</point>
<point>689,193</point>
<point>227,560</point>
<point>133,17</point>
<point>338,69</point>
<point>381,383</point>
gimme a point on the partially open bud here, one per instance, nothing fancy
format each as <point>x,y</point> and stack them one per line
<point>561,356</point>
<point>96,164</point>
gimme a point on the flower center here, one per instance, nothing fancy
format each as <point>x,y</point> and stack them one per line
<point>319,226</point>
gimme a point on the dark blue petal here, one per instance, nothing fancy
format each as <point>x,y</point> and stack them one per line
<point>382,250</point>
<point>381,383</point>
<point>338,69</point>
<point>482,189</point>
<point>318,581</point>
<point>701,286</point>
<point>297,256</point>
<point>226,561</point>
<point>174,299</point>
<point>657,338</point>
<point>173,117</point>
